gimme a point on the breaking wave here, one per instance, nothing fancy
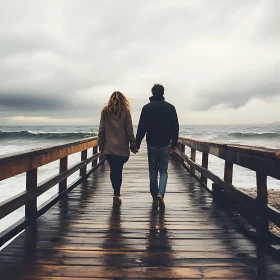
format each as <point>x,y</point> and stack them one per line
<point>263,135</point>
<point>44,135</point>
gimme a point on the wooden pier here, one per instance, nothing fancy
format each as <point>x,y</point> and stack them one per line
<point>204,233</point>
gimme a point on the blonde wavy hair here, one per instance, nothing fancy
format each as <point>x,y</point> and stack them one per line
<point>118,105</point>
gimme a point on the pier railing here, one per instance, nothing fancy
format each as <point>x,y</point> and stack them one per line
<point>28,162</point>
<point>265,162</point>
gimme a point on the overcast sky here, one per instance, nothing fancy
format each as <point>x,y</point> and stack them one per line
<point>218,60</point>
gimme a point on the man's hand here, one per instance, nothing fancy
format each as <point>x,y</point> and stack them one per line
<point>172,150</point>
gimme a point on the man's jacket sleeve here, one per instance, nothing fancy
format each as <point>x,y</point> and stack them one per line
<point>175,129</point>
<point>129,131</point>
<point>142,129</point>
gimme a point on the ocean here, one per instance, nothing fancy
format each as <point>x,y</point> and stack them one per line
<point>15,139</point>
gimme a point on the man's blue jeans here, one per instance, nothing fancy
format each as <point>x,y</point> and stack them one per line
<point>158,163</point>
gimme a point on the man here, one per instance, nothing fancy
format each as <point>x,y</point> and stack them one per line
<point>160,122</point>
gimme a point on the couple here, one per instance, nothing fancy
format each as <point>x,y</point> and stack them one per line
<point>158,121</point>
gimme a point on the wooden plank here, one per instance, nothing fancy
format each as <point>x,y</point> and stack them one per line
<point>53,253</point>
<point>131,261</point>
<point>138,236</point>
<point>14,164</point>
<point>257,159</point>
<point>137,272</point>
<point>63,166</point>
<point>31,185</point>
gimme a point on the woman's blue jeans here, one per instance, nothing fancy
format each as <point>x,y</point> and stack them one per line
<point>158,164</point>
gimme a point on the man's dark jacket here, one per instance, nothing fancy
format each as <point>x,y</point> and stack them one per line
<point>160,122</point>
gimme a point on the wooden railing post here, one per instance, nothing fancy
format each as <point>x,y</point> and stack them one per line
<point>63,166</point>
<point>193,157</point>
<point>102,156</point>
<point>182,148</point>
<point>31,183</point>
<point>94,151</point>
<point>228,172</point>
<point>204,165</point>
<point>262,198</point>
<point>83,170</point>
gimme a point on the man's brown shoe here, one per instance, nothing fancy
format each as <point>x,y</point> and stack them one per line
<point>160,201</point>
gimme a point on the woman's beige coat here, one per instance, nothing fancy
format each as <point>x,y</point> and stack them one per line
<point>116,134</point>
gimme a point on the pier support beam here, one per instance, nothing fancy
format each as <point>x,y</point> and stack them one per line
<point>193,157</point>
<point>94,151</point>
<point>83,170</point>
<point>204,165</point>
<point>183,150</point>
<point>262,197</point>
<point>63,166</point>
<point>31,183</point>
<point>228,173</point>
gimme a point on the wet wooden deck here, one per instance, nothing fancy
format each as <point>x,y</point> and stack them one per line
<point>83,237</point>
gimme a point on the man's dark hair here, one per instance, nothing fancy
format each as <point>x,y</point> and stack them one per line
<point>158,90</point>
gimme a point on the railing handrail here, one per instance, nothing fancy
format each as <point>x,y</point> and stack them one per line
<point>17,163</point>
<point>255,150</point>
<point>258,159</point>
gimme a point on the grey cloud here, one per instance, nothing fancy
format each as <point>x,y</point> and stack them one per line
<point>12,44</point>
<point>26,102</point>
<point>32,104</point>
<point>64,58</point>
<point>237,93</point>
<point>268,31</point>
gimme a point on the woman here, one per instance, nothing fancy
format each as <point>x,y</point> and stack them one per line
<point>115,135</point>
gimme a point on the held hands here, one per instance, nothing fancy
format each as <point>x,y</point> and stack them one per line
<point>134,150</point>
